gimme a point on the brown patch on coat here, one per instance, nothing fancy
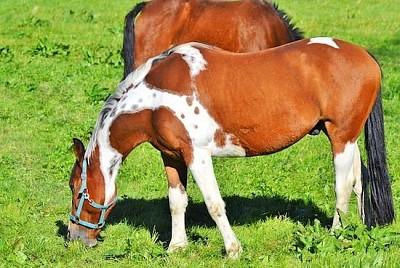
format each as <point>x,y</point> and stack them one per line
<point>189,100</point>
<point>220,138</point>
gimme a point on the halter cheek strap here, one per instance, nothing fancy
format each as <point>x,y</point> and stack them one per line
<point>84,195</point>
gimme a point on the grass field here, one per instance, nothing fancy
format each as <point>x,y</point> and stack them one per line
<point>60,59</point>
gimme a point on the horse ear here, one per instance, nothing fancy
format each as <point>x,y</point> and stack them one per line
<point>79,149</point>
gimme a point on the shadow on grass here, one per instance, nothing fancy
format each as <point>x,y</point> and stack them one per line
<point>388,49</point>
<point>62,229</point>
<point>154,214</point>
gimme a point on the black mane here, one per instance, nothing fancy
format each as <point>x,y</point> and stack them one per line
<point>295,33</point>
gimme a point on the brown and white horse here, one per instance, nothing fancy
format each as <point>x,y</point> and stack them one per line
<point>237,26</point>
<point>190,104</point>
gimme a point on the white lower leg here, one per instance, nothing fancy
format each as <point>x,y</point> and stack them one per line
<point>344,180</point>
<point>357,184</point>
<point>216,208</point>
<point>203,173</point>
<point>178,202</point>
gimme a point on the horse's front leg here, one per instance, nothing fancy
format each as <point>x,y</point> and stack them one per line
<point>178,201</point>
<point>203,173</point>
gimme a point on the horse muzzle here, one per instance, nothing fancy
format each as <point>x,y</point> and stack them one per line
<point>79,232</point>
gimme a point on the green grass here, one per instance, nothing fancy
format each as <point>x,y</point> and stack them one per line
<point>59,60</point>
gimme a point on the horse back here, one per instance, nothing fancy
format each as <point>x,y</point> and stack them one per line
<point>300,67</point>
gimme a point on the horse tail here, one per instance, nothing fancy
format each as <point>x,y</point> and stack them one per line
<point>376,186</point>
<point>128,47</point>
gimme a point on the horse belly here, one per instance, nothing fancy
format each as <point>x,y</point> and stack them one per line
<point>264,125</point>
<point>268,138</point>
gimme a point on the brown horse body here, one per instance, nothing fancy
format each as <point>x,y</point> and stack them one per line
<point>190,104</point>
<point>237,26</point>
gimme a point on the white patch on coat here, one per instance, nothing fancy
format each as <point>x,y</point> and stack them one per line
<point>193,57</point>
<point>344,180</point>
<point>344,160</point>
<point>108,155</point>
<point>178,202</point>
<point>135,95</point>
<point>200,126</point>
<point>203,173</point>
<point>324,41</point>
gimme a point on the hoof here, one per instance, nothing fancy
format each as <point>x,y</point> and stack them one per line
<point>234,252</point>
<point>173,247</point>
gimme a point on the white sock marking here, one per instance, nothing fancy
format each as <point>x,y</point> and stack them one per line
<point>203,173</point>
<point>178,202</point>
<point>343,179</point>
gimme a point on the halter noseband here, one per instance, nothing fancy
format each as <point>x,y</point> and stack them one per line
<point>84,195</point>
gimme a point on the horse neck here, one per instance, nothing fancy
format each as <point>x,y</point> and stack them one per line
<point>104,162</point>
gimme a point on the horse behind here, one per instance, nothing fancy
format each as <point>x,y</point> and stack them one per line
<point>190,104</point>
<point>238,26</point>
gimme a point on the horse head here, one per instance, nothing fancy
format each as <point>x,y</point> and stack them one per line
<point>88,210</point>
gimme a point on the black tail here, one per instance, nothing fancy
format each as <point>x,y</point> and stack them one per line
<point>128,48</point>
<point>377,192</point>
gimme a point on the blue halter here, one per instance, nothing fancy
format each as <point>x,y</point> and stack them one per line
<point>84,195</point>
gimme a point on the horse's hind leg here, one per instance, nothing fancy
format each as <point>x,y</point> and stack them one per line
<point>346,176</point>
<point>354,178</point>
<point>203,173</point>
<point>357,184</point>
<point>178,201</point>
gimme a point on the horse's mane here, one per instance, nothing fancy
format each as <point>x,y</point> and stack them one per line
<point>295,33</point>
<point>131,82</point>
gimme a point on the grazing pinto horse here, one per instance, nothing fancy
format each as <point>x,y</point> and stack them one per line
<point>190,104</point>
<point>237,26</point>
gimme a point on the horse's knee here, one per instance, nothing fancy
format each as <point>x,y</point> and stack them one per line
<point>216,208</point>
<point>178,199</point>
